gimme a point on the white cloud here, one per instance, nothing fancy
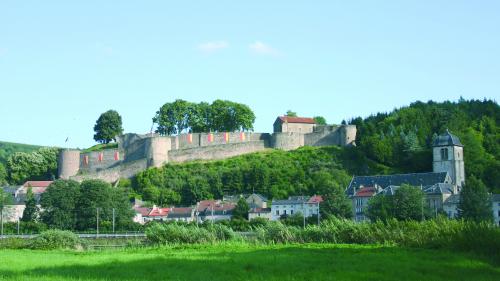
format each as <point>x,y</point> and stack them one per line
<point>213,46</point>
<point>263,49</point>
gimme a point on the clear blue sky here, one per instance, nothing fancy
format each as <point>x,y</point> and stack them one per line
<point>62,64</point>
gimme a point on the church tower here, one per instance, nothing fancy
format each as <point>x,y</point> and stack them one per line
<point>448,156</point>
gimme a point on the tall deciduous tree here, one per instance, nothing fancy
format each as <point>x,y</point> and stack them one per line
<point>290,113</point>
<point>3,175</point>
<point>108,126</point>
<point>30,213</point>
<point>408,203</point>
<point>335,203</point>
<point>241,209</point>
<point>59,202</point>
<point>475,202</point>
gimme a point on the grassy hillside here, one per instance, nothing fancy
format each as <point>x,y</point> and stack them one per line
<point>273,173</point>
<point>246,262</point>
<point>9,148</point>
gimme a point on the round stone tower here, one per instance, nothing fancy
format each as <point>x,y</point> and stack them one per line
<point>69,163</point>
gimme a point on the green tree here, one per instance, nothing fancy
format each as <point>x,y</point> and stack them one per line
<point>38,165</point>
<point>3,175</point>
<point>108,126</point>
<point>173,118</point>
<point>30,213</point>
<point>320,120</point>
<point>95,196</point>
<point>241,209</point>
<point>475,202</point>
<point>408,203</point>
<point>380,208</point>
<point>5,199</point>
<point>59,203</point>
<point>335,203</point>
<point>290,113</point>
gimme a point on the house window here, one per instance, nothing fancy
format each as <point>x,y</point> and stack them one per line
<point>284,212</point>
<point>498,213</point>
<point>444,153</point>
<point>291,212</point>
<point>277,212</point>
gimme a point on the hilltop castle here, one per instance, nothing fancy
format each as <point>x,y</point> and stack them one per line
<point>139,152</point>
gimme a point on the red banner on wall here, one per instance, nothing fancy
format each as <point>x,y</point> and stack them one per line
<point>86,160</point>
<point>242,136</point>
<point>190,138</point>
<point>100,157</point>
<point>226,137</point>
<point>117,156</point>
<point>210,137</point>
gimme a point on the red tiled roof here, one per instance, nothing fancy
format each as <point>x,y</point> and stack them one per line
<point>365,192</point>
<point>142,211</point>
<point>315,199</point>
<point>37,183</point>
<point>304,120</point>
<point>159,212</point>
<point>217,205</point>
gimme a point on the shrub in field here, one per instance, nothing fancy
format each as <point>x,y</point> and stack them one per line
<point>13,243</point>
<point>178,234</point>
<point>55,239</point>
<point>276,232</point>
<point>221,232</point>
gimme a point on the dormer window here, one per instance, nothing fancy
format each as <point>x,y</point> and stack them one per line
<point>444,153</point>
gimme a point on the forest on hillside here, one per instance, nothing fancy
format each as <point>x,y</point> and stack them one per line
<point>402,139</point>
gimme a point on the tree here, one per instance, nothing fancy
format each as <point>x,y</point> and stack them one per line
<point>475,202</point>
<point>320,120</point>
<point>108,126</point>
<point>408,203</point>
<point>30,213</point>
<point>335,203</point>
<point>94,195</point>
<point>290,113</point>
<point>5,199</point>
<point>37,165</point>
<point>380,208</point>
<point>241,209</point>
<point>59,202</point>
<point>3,175</point>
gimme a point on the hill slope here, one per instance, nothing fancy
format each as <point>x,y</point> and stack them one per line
<point>9,148</point>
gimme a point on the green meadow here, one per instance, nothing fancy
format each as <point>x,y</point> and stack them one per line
<point>246,262</point>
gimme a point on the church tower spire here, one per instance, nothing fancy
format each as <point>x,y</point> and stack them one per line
<point>448,156</point>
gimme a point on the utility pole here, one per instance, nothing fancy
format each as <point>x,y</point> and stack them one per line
<point>113,220</point>
<point>1,221</point>
<point>97,220</point>
<point>303,214</point>
<point>318,213</point>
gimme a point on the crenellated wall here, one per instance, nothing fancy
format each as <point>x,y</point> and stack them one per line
<point>138,152</point>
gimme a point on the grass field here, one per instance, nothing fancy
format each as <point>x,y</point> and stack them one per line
<point>244,262</point>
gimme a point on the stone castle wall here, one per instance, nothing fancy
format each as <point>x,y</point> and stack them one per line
<point>138,152</point>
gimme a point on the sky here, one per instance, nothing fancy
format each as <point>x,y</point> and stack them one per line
<point>64,63</point>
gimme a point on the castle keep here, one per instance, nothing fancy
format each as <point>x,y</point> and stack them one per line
<point>139,152</point>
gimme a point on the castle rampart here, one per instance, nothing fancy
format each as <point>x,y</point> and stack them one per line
<point>138,152</point>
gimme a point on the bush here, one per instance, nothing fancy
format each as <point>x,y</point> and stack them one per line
<point>55,239</point>
<point>178,234</point>
<point>13,243</point>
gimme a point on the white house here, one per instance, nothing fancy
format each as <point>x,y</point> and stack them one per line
<point>305,205</point>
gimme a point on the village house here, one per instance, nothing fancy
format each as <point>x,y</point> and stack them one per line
<point>144,215</point>
<point>214,210</point>
<point>305,205</point>
<point>14,211</point>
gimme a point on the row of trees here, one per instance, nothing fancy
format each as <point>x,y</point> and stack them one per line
<point>71,205</point>
<point>21,166</point>
<point>220,116</point>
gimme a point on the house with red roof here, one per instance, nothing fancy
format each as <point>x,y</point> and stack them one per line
<point>289,124</point>
<point>214,210</point>
<point>360,201</point>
